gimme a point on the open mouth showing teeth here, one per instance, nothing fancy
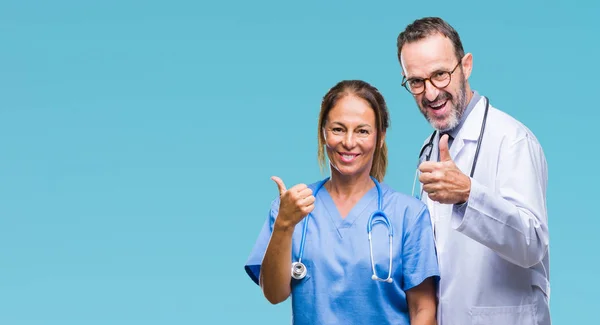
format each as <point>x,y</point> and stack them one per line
<point>437,106</point>
<point>348,157</point>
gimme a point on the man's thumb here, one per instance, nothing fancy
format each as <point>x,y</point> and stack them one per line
<point>280,184</point>
<point>444,153</point>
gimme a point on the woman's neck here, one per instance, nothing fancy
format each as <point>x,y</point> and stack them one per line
<point>343,187</point>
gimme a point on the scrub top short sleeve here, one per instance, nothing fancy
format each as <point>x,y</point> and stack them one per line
<point>419,258</point>
<point>254,261</point>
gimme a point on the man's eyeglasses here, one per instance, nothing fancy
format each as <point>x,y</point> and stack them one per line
<point>438,79</point>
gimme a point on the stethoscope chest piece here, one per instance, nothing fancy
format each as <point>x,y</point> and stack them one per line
<point>298,270</point>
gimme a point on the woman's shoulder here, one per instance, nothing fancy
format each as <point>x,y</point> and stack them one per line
<point>393,194</point>
<point>402,202</point>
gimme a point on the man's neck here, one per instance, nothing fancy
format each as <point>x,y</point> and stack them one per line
<point>471,100</point>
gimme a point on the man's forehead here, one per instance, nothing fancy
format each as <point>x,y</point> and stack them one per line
<point>425,56</point>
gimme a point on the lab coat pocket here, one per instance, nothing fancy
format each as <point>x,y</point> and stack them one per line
<point>513,315</point>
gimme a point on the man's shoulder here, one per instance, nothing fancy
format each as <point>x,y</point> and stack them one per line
<point>508,126</point>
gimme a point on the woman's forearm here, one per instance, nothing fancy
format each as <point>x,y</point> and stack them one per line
<point>424,316</point>
<point>422,303</point>
<point>275,276</point>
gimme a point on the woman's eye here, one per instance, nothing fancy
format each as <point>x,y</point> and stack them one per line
<point>337,130</point>
<point>363,133</point>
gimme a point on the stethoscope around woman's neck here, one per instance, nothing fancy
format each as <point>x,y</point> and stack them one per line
<point>429,146</point>
<point>299,270</point>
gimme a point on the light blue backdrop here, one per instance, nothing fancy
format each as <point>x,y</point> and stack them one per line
<point>137,139</point>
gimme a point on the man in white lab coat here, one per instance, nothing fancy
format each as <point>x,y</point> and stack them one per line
<point>490,223</point>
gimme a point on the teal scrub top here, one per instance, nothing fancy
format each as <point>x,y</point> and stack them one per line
<point>338,288</point>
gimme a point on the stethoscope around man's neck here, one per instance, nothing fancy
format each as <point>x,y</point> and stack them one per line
<point>429,146</point>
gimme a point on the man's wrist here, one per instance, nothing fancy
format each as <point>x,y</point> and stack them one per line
<point>467,193</point>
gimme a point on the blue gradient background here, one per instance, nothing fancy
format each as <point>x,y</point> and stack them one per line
<point>137,139</point>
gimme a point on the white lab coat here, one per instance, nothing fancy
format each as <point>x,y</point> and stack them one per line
<point>493,252</point>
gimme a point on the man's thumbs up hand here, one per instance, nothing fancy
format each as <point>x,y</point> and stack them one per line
<point>443,181</point>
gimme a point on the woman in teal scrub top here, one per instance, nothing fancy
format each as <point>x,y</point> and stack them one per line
<point>339,285</point>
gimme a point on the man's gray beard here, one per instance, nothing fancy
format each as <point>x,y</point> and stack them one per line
<point>457,111</point>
